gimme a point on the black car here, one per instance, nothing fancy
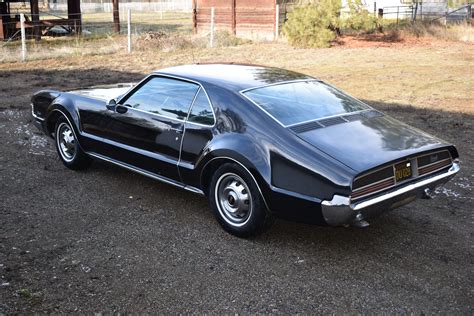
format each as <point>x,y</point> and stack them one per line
<point>259,142</point>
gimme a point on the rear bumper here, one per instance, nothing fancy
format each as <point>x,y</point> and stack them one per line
<point>340,210</point>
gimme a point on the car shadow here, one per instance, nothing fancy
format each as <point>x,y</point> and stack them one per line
<point>23,83</point>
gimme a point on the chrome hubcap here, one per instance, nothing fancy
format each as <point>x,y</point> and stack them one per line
<point>66,142</point>
<point>233,198</point>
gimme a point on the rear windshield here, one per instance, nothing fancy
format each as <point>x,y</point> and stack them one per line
<point>296,102</point>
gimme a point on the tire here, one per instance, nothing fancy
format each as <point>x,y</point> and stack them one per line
<point>67,146</point>
<point>237,202</point>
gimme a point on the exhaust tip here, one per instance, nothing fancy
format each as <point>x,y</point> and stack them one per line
<point>428,194</point>
<point>359,222</point>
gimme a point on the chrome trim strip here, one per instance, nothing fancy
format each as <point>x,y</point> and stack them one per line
<point>281,82</point>
<point>436,170</point>
<point>433,163</point>
<point>434,153</point>
<point>361,205</point>
<point>242,165</point>
<point>34,115</point>
<point>373,171</point>
<point>374,183</point>
<point>131,148</point>
<point>145,173</point>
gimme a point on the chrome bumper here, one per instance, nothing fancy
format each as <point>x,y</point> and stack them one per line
<point>340,210</point>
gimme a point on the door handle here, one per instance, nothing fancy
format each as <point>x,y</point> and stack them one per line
<point>179,131</point>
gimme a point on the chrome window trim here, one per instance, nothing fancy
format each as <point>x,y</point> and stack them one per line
<point>158,74</point>
<point>192,105</point>
<point>330,116</point>
<point>242,92</point>
<point>279,83</point>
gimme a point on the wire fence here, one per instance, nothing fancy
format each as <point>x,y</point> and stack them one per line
<point>96,32</point>
<point>90,33</point>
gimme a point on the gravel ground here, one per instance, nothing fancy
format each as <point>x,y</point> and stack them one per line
<point>110,240</point>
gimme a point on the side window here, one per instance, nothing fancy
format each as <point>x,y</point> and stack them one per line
<point>164,96</point>
<point>201,112</point>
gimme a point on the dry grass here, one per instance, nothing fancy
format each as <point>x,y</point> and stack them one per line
<point>437,75</point>
<point>463,32</point>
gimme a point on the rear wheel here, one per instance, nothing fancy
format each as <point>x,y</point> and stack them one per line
<point>68,147</point>
<point>237,203</point>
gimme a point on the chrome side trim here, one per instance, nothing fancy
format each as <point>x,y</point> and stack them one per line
<point>131,148</point>
<point>146,173</point>
<point>34,115</point>
<point>245,168</point>
<point>452,171</point>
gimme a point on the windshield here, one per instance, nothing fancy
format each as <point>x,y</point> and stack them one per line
<point>296,102</point>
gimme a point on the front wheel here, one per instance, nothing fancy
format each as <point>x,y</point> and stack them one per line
<point>237,202</point>
<point>68,147</point>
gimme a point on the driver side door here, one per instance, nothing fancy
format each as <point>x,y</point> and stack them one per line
<point>147,125</point>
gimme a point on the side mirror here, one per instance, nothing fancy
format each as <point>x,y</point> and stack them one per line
<point>111,105</point>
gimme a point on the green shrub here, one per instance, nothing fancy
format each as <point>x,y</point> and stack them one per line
<point>358,18</point>
<point>313,25</point>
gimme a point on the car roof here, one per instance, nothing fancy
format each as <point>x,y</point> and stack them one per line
<point>234,77</point>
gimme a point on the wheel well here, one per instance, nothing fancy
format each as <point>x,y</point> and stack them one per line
<point>51,123</point>
<point>209,170</point>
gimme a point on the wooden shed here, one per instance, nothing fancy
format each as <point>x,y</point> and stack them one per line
<point>243,18</point>
<point>10,21</point>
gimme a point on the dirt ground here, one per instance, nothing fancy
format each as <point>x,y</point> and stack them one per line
<point>107,240</point>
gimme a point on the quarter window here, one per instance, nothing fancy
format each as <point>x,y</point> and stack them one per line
<point>201,112</point>
<point>164,96</point>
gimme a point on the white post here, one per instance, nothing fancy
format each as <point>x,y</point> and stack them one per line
<point>23,37</point>
<point>212,27</point>
<point>277,21</point>
<point>129,30</point>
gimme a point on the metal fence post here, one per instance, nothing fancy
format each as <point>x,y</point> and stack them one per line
<point>129,30</point>
<point>212,27</point>
<point>277,21</point>
<point>23,37</point>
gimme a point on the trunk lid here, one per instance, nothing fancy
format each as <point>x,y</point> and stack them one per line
<point>369,142</point>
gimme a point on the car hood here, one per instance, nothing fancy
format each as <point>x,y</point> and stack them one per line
<point>367,143</point>
<point>105,92</point>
